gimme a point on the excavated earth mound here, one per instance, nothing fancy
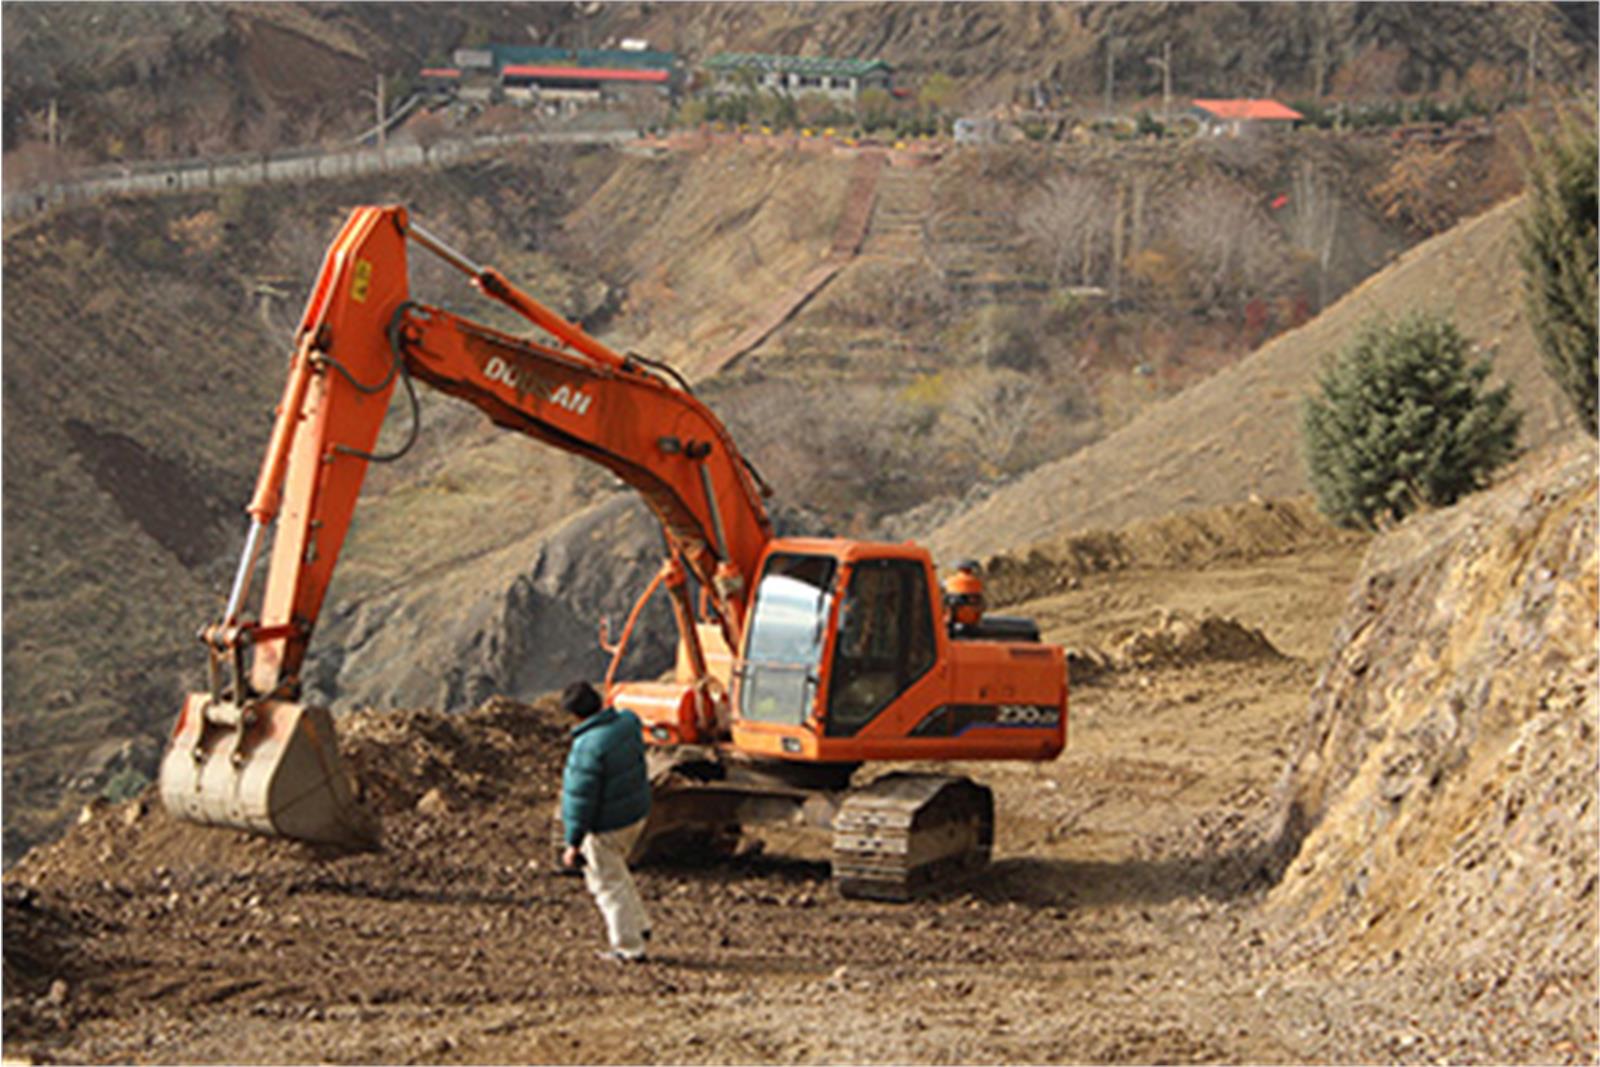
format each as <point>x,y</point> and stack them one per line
<point>1174,639</point>
<point>1248,531</point>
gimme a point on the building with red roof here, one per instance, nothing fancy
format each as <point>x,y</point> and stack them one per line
<point>518,74</point>
<point>580,85</point>
<point>1234,117</point>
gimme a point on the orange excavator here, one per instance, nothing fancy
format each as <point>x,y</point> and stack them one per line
<point>799,659</point>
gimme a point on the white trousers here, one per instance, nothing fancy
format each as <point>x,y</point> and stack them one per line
<point>605,872</point>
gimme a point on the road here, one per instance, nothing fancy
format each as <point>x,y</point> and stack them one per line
<point>298,165</point>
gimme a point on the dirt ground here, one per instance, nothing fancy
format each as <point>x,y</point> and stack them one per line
<point>1120,922</point>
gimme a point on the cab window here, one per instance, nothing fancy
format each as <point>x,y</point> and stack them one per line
<point>885,642</point>
<point>784,647</point>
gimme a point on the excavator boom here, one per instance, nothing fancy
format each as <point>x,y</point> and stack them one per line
<point>246,753</point>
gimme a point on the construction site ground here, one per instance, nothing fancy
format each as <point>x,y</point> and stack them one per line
<point>1122,919</point>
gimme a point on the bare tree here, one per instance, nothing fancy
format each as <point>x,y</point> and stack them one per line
<point>991,412</point>
<point>34,163</point>
<point>209,117</point>
<point>1233,252</point>
<point>427,130</point>
<point>1314,224</point>
<point>1421,187</point>
<point>1067,222</point>
<point>895,294</point>
<point>262,136</point>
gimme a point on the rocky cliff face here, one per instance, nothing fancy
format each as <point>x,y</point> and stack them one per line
<point>519,622</point>
<point>1446,787</point>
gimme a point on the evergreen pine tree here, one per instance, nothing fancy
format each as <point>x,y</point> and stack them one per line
<point>1559,253</point>
<point>1404,421</point>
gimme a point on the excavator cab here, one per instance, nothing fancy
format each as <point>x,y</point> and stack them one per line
<point>846,658</point>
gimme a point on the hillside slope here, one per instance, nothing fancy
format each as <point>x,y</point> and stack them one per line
<point>145,81</point>
<point>1225,49</point>
<point>1447,774</point>
<point>1238,432</point>
<point>144,356</point>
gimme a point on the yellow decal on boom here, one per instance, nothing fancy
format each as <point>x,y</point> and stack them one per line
<point>361,282</point>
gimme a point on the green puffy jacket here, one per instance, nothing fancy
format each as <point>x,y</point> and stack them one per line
<point>605,786</point>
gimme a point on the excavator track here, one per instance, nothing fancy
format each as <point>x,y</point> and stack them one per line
<point>907,833</point>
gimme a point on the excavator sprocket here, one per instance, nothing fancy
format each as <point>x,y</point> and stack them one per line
<point>907,833</point>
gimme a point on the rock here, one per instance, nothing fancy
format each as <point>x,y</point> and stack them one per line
<point>433,802</point>
<point>512,636</point>
<point>133,812</point>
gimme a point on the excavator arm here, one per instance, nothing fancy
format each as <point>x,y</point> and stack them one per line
<point>360,337</point>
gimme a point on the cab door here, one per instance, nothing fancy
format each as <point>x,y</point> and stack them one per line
<point>885,643</point>
<point>779,675</point>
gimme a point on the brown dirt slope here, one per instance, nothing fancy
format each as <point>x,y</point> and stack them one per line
<point>1449,767</point>
<point>705,241</point>
<point>1238,432</point>
<point>1192,538</point>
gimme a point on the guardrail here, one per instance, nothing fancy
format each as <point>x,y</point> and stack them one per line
<point>299,165</point>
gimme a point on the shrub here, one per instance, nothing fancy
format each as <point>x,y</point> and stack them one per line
<point>1558,256</point>
<point>1403,422</point>
<point>125,785</point>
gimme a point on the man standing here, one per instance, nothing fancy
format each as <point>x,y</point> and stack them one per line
<point>605,797</point>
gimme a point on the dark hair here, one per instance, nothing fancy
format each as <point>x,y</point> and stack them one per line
<point>580,700</point>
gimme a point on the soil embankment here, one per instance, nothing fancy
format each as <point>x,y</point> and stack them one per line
<point>1449,766</point>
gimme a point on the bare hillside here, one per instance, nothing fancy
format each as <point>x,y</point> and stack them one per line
<point>1238,432</point>
<point>147,81</point>
<point>1228,49</point>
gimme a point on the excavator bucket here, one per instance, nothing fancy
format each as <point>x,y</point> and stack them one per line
<point>272,768</point>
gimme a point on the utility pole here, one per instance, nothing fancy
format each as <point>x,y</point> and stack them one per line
<point>1166,80</point>
<point>1533,55</point>
<point>1111,72</point>
<point>1165,63</point>
<point>382,133</point>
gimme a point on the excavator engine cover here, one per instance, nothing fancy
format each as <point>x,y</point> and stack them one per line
<point>271,767</point>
